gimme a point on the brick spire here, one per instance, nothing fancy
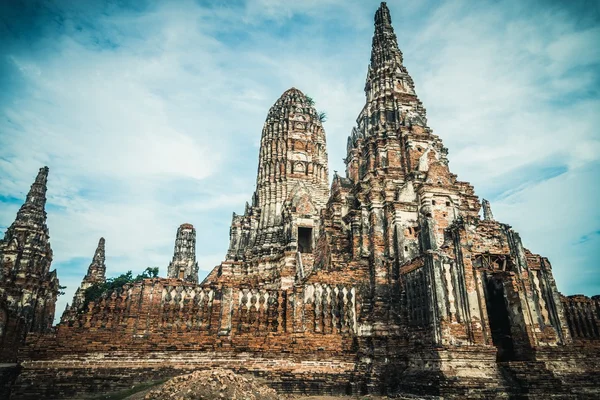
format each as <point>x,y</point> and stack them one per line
<point>391,104</point>
<point>32,213</point>
<point>385,46</point>
<point>389,89</point>
<point>30,230</point>
<point>97,270</point>
<point>184,265</point>
<point>96,274</point>
<point>25,277</point>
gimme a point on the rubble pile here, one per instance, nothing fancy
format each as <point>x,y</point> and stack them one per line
<point>212,384</point>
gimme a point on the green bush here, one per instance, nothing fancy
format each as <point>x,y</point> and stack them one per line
<point>94,292</point>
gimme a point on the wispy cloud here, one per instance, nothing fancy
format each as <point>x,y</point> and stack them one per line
<point>149,113</point>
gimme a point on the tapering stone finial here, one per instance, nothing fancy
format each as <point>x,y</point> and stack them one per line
<point>385,45</point>
<point>32,212</point>
<point>184,265</point>
<point>31,218</point>
<point>382,15</point>
<point>97,269</point>
<point>487,210</point>
<point>96,274</point>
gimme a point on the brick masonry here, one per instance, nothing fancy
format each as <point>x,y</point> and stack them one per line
<point>388,282</point>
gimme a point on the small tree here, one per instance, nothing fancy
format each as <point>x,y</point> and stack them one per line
<point>322,116</point>
<point>94,292</point>
<point>150,272</point>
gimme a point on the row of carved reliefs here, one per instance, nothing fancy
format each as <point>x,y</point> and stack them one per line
<point>330,308</point>
<point>260,310</point>
<point>179,296</point>
<point>154,306</point>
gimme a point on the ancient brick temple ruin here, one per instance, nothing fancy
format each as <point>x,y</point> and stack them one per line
<point>28,289</point>
<point>387,281</point>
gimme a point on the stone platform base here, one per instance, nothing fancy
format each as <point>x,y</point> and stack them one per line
<point>469,372</point>
<point>88,375</point>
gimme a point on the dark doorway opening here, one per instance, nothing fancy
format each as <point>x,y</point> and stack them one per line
<point>304,240</point>
<point>499,319</point>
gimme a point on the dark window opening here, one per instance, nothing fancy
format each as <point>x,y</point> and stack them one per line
<point>433,202</point>
<point>447,204</point>
<point>304,240</point>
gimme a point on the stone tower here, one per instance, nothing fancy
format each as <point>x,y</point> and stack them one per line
<point>96,274</point>
<point>292,187</point>
<point>184,265</point>
<point>439,275</point>
<point>28,289</point>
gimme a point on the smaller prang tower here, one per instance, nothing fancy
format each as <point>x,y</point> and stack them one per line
<point>184,265</point>
<point>274,240</point>
<point>28,289</point>
<point>96,274</point>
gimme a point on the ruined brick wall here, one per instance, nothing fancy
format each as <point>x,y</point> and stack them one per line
<point>168,314</point>
<point>583,316</point>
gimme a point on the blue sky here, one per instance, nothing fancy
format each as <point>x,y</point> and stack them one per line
<point>149,114</point>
